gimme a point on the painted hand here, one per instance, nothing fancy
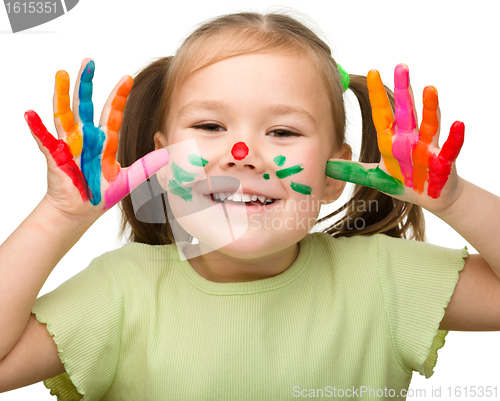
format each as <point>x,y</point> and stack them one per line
<point>86,154</point>
<point>413,167</point>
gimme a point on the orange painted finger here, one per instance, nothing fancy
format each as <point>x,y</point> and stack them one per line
<point>63,114</point>
<point>428,129</point>
<point>112,120</point>
<point>382,114</point>
<point>430,120</point>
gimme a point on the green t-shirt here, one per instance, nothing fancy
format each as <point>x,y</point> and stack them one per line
<point>350,314</point>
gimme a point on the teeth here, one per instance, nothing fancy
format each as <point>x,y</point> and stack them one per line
<point>238,198</point>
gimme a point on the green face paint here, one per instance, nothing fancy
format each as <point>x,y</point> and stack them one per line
<point>182,175</point>
<point>286,172</point>
<point>266,176</point>
<point>357,174</point>
<point>197,161</point>
<point>303,189</point>
<point>176,189</point>
<point>279,160</point>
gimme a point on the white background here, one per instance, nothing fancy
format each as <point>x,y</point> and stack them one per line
<point>452,45</point>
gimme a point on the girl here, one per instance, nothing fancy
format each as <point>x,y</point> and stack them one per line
<point>276,313</point>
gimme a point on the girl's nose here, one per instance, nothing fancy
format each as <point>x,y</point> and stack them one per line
<point>243,156</point>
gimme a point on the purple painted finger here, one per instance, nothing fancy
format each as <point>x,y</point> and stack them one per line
<point>129,178</point>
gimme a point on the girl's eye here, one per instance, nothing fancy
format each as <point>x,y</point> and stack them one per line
<point>279,133</point>
<point>208,127</point>
<point>283,133</point>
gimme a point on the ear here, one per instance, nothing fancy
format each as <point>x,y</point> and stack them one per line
<point>334,188</point>
<point>160,141</point>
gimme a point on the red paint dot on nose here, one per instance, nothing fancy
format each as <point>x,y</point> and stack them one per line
<point>239,150</point>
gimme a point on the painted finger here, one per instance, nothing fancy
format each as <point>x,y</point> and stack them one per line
<point>63,116</point>
<point>368,175</point>
<point>383,120</point>
<point>440,165</point>
<point>405,135</point>
<point>430,115</point>
<point>428,130</point>
<point>111,120</point>
<point>93,137</point>
<point>76,91</point>
<point>129,178</point>
<point>59,151</point>
<point>403,100</point>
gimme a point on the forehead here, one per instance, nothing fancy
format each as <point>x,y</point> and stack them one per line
<point>258,81</point>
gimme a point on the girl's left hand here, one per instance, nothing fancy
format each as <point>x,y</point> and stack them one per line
<point>413,167</point>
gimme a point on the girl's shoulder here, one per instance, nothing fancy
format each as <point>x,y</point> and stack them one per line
<point>135,260</point>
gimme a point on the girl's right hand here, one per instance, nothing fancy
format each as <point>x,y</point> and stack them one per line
<point>84,178</point>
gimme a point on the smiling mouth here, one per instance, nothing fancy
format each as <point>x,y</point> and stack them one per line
<point>236,200</point>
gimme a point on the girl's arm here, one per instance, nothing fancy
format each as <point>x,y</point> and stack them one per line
<point>414,169</point>
<point>475,304</point>
<point>28,353</point>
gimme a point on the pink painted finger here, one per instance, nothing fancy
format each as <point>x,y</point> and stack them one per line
<point>404,106</point>
<point>440,165</point>
<point>405,136</point>
<point>60,153</point>
<point>129,178</point>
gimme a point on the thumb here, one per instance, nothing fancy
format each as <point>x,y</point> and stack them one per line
<point>130,177</point>
<point>366,174</point>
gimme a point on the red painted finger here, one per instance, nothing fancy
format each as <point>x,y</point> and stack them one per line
<point>60,153</point>
<point>440,165</point>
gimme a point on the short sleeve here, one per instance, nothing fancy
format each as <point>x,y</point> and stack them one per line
<point>84,316</point>
<point>417,281</point>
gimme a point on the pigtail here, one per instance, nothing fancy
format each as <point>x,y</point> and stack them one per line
<point>369,211</point>
<point>141,120</point>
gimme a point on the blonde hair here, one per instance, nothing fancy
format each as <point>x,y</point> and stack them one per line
<point>246,33</point>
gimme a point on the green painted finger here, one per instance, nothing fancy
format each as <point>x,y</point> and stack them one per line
<point>374,178</point>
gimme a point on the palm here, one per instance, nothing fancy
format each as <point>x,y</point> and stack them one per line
<point>86,154</point>
<point>413,167</point>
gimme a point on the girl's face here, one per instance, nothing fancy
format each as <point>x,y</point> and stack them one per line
<point>265,120</point>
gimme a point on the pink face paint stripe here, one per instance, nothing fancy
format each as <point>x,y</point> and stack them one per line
<point>60,152</point>
<point>128,179</point>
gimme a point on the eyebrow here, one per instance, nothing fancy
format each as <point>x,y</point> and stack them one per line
<point>214,105</point>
